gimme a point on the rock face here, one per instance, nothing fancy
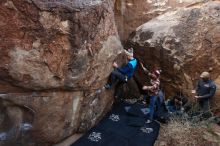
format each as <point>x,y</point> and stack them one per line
<point>54,55</point>
<point>130,14</point>
<point>183,43</point>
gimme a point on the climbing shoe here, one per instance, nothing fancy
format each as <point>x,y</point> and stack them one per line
<point>148,121</point>
<point>107,86</point>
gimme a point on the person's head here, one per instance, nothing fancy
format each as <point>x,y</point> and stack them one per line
<point>205,76</point>
<point>129,53</point>
<point>155,74</point>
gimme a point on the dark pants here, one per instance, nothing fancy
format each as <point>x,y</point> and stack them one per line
<point>157,100</point>
<point>205,107</point>
<point>160,102</point>
<point>154,100</point>
<point>118,79</point>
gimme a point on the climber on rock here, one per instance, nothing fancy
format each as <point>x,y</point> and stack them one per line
<point>122,74</point>
<point>205,90</point>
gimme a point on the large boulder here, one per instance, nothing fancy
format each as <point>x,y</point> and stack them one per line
<point>54,56</point>
<point>129,14</point>
<point>184,43</point>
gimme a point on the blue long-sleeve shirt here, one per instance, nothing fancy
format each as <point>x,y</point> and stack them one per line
<point>206,89</point>
<point>129,68</point>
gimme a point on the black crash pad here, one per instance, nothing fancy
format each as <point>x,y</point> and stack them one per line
<point>118,128</point>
